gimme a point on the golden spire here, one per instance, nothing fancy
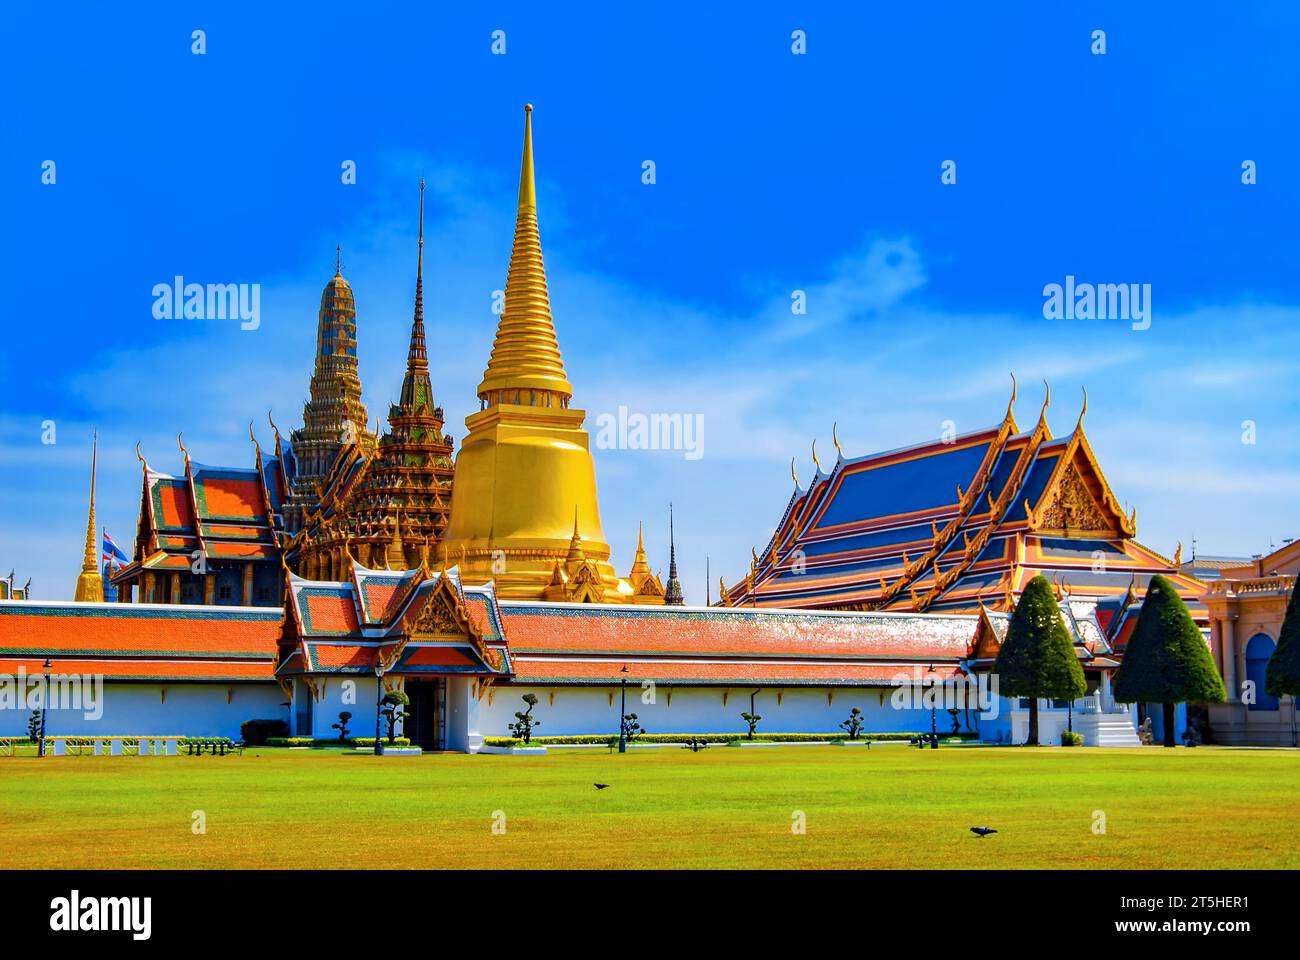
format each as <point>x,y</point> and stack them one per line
<point>817,463</point>
<point>396,549</point>
<point>835,438</point>
<point>575,544</point>
<point>90,586</point>
<point>640,565</point>
<point>525,355</point>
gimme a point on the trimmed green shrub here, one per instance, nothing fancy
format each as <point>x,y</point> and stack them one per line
<point>1071,738</point>
<point>1283,676</point>
<point>326,742</point>
<point>1167,660</point>
<point>853,725</point>
<point>395,704</point>
<point>1037,658</point>
<point>257,732</point>
<point>601,739</point>
<point>524,719</point>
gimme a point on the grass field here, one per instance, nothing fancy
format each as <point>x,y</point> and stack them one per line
<point>891,806</point>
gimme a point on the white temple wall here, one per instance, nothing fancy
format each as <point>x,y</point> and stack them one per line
<point>355,694</point>
<point>182,708</point>
<point>571,710</point>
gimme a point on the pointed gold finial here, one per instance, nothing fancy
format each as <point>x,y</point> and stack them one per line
<point>252,437</point>
<point>525,354</point>
<point>90,585</point>
<point>338,259</point>
<point>793,476</point>
<point>181,443</point>
<point>576,554</point>
<point>835,438</point>
<point>1012,402</point>
<point>817,463</point>
<point>1047,401</point>
<point>138,455</point>
<point>1083,410</point>
<point>1178,554</point>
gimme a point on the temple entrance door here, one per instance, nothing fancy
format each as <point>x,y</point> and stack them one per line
<point>426,727</point>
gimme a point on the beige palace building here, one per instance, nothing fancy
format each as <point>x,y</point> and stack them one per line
<point>1246,606</point>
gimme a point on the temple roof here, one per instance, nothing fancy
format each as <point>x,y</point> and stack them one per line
<point>557,643</point>
<point>955,522</point>
<point>139,641</point>
<point>414,621</point>
<point>229,513</point>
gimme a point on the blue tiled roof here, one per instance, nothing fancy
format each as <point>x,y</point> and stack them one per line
<point>904,487</point>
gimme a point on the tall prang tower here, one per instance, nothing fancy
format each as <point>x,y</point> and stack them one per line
<point>334,416</point>
<point>385,503</point>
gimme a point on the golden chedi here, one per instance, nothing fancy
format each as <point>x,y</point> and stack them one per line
<point>524,511</point>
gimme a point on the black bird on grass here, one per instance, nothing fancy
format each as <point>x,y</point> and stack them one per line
<point>601,786</point>
<point>982,832</point>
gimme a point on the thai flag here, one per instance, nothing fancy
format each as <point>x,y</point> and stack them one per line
<point>113,553</point>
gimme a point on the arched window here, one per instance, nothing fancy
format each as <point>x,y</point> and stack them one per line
<point>1258,650</point>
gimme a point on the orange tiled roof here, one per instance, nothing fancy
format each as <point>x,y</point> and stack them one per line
<point>128,629</point>
<point>535,628</point>
<point>134,668</point>
<point>573,670</point>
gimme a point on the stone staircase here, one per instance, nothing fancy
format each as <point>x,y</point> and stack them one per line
<point>1107,730</point>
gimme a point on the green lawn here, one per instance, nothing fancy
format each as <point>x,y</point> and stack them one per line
<point>892,806</point>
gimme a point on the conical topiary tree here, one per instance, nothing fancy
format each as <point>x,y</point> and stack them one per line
<point>1167,660</point>
<point>1283,676</point>
<point>1037,658</point>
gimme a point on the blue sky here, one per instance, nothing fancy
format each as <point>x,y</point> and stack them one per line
<point>775,173</point>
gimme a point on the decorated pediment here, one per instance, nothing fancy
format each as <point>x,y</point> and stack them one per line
<point>650,587</point>
<point>1077,501</point>
<point>439,620</point>
<point>444,617</point>
<point>1072,507</point>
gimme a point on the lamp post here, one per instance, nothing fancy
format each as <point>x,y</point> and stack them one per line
<point>45,709</point>
<point>934,719</point>
<point>622,712</point>
<point>379,699</point>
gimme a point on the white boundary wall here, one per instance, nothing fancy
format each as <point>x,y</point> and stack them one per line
<point>182,708</point>
<point>573,710</point>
